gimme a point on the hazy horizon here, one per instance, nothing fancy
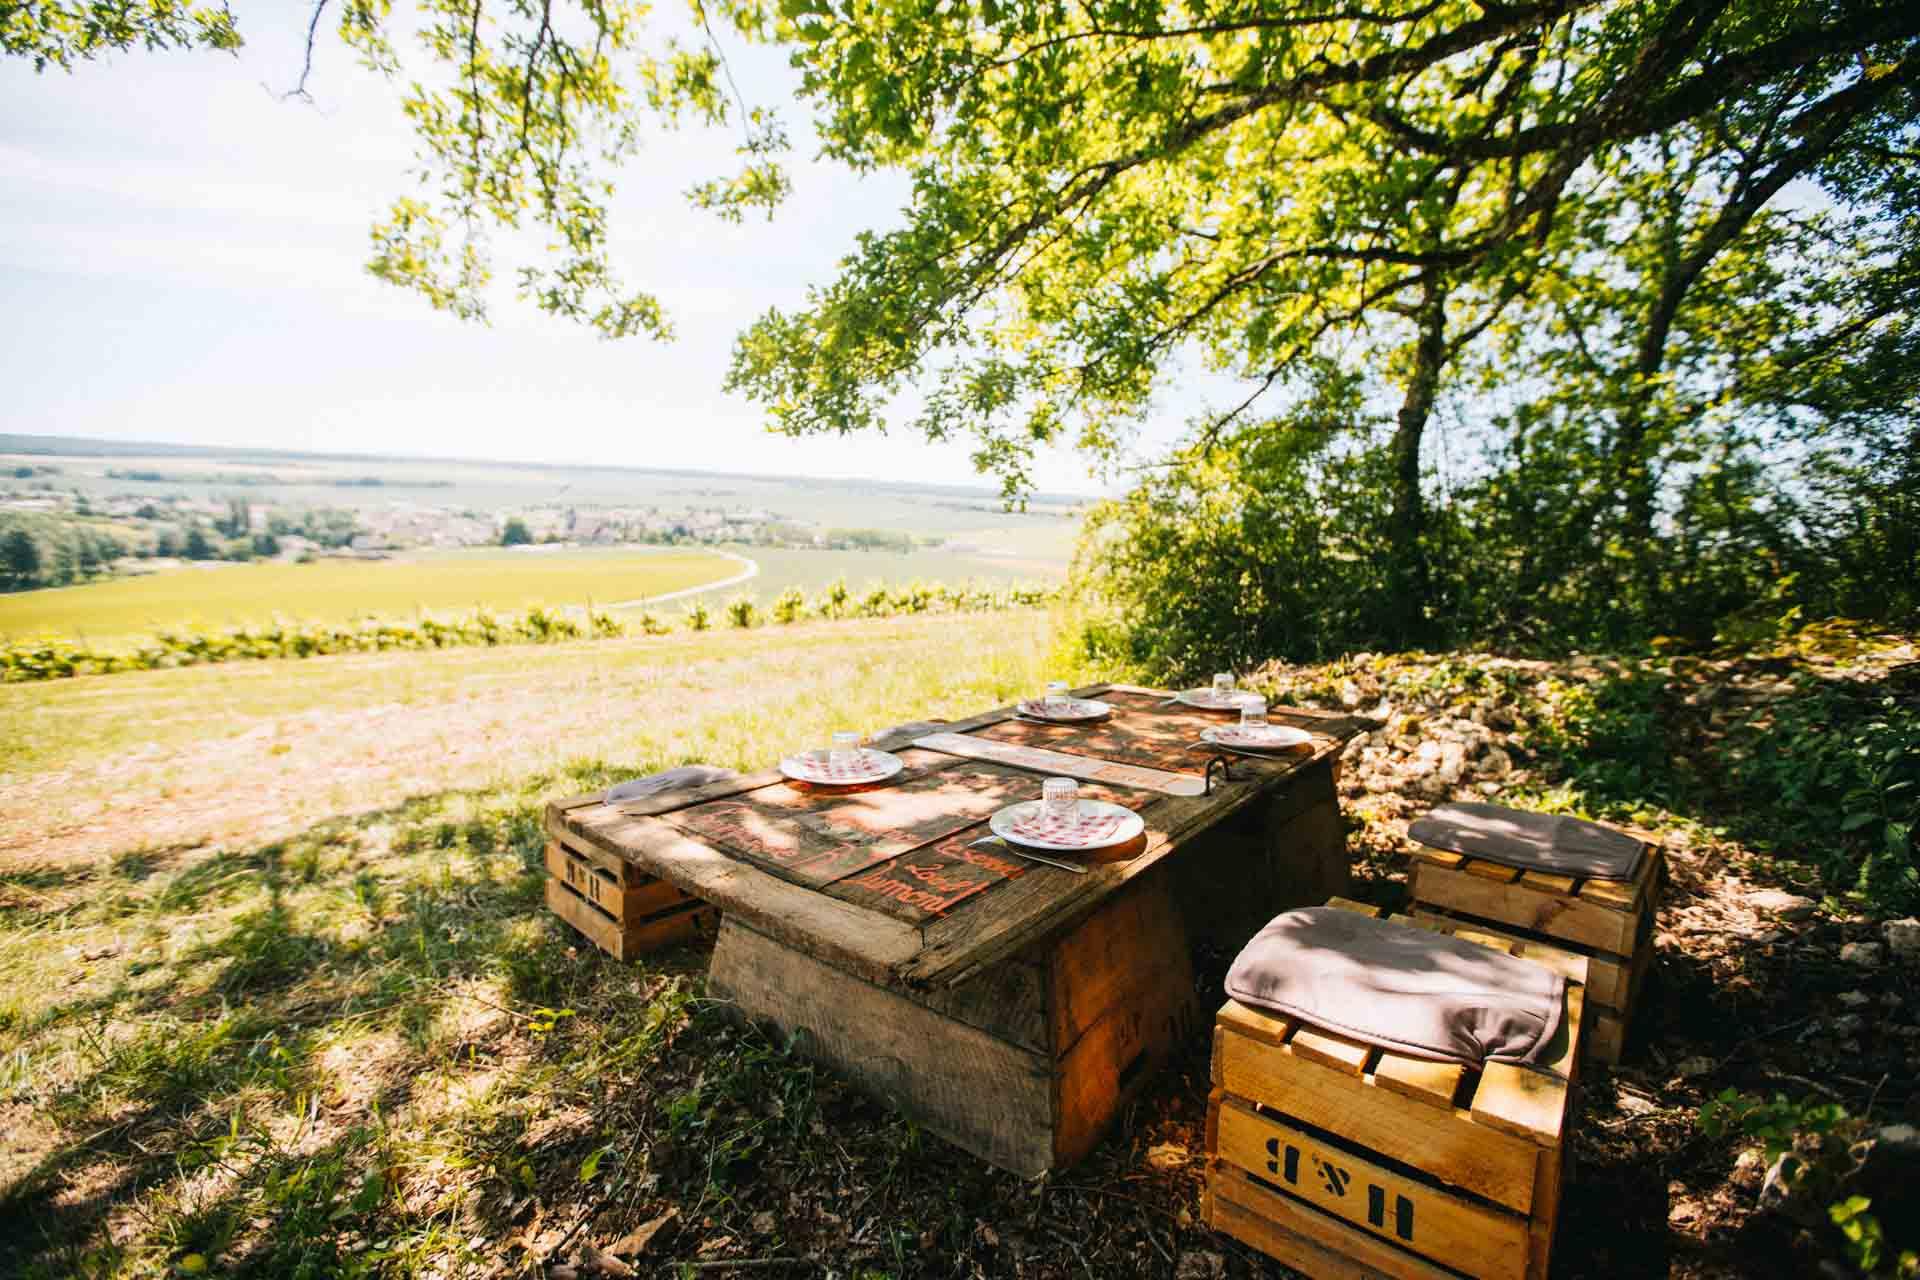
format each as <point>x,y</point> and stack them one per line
<point>11,446</point>
<point>181,261</point>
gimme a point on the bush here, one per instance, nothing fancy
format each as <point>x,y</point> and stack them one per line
<point>742,612</point>
<point>51,659</point>
<point>1825,1149</point>
<point>790,606</point>
<point>833,601</point>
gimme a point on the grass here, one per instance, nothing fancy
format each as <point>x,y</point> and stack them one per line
<point>278,995</point>
<point>219,594</point>
<point>283,1000</point>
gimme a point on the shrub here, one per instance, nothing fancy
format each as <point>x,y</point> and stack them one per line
<point>52,659</point>
<point>1825,1150</point>
<point>833,601</point>
<point>790,606</point>
<point>743,612</point>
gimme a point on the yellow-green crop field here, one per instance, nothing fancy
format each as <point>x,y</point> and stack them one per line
<point>125,609</point>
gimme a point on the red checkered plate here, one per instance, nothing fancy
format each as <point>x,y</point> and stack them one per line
<point>1065,711</point>
<point>1211,700</point>
<point>869,766</point>
<point>1101,826</point>
<point>1267,737</point>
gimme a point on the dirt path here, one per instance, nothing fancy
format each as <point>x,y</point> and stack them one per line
<point>751,571</point>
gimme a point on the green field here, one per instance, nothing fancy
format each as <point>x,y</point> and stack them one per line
<point>221,594</point>
<point>783,567</point>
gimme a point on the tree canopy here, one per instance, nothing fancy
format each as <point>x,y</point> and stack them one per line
<point>1633,249</point>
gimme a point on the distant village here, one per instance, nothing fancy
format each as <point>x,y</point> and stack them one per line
<point>79,532</point>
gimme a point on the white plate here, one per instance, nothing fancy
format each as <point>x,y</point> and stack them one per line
<point>811,766</point>
<point>1103,825</point>
<point>1069,710</point>
<point>1208,700</point>
<point>1272,737</point>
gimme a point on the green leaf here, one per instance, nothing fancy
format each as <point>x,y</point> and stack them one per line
<point>1847,1210</point>
<point>591,1165</point>
<point>372,1188</point>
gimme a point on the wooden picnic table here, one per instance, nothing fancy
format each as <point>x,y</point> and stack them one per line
<point>1009,1006</point>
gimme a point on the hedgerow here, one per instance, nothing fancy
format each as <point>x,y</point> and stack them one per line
<point>56,658</point>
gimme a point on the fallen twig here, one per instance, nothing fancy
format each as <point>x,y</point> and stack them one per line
<point>743,1262</point>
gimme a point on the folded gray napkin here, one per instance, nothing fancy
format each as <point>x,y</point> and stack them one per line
<point>687,775</point>
<point>1530,841</point>
<point>1405,989</point>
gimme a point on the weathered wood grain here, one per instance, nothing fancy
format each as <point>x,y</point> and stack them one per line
<point>863,942</point>
<point>1413,1214</point>
<point>1434,1083</point>
<point>1123,1001</point>
<point>1302,1237</point>
<point>1611,930</point>
<point>620,891</point>
<point>1445,1142</point>
<point>975,1089</point>
<point>1589,923</point>
<point>628,940</point>
<point>1025,911</point>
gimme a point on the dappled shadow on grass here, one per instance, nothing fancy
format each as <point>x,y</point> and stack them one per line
<point>228,977</point>
<point>369,1046</point>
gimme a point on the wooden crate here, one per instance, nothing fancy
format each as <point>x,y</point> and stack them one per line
<point>1027,1061</point>
<point>1342,1159</point>
<point>1610,922</point>
<point>1024,1064</point>
<point>622,911</point>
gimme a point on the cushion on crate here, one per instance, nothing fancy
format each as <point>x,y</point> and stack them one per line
<point>1400,987</point>
<point>1530,841</point>
<point>687,775</point>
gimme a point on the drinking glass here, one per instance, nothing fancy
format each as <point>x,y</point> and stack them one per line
<point>846,751</point>
<point>1222,685</point>
<point>1060,800</point>
<point>1253,713</point>
<point>1056,694</point>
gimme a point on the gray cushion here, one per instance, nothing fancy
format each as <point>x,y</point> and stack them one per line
<point>1530,841</point>
<point>687,775</point>
<point>1418,993</point>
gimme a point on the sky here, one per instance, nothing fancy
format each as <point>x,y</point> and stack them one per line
<point>182,260</point>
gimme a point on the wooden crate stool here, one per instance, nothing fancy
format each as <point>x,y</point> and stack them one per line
<point>1610,922</point>
<point>620,910</point>
<point>1345,1160</point>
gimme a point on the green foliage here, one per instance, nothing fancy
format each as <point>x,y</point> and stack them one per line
<point>789,606</point>
<point>834,601</point>
<point>44,551</point>
<point>1826,769</point>
<point>514,533</point>
<point>1272,543</point>
<point>51,659</point>
<point>54,34</point>
<point>1822,1146</point>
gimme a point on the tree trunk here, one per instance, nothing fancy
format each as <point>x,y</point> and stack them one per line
<point>1409,578</point>
<point>1633,462</point>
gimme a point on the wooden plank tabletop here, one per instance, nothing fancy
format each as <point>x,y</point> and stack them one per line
<point>882,881</point>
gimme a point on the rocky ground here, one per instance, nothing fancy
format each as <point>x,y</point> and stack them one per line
<point>1766,982</point>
